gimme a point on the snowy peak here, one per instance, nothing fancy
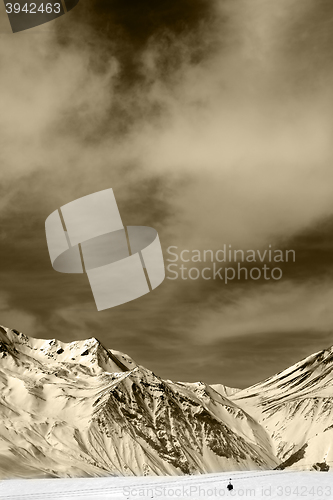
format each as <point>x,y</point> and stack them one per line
<point>310,377</point>
<point>295,407</point>
<point>80,409</point>
<point>89,353</point>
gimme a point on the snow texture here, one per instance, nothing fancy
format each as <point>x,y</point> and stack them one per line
<point>271,485</point>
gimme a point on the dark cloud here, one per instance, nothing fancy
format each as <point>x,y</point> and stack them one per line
<point>173,33</point>
<point>211,121</point>
<point>308,42</point>
<point>125,28</point>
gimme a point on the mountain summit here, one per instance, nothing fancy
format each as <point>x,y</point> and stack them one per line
<point>295,407</point>
<point>79,409</point>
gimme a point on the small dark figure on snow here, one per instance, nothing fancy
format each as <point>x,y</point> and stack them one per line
<point>230,486</point>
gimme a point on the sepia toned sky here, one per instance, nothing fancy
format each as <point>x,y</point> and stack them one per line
<point>212,121</point>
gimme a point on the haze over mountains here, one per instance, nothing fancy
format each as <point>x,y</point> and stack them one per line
<point>78,409</point>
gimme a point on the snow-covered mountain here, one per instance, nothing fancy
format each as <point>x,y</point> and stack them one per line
<point>295,407</point>
<point>79,409</point>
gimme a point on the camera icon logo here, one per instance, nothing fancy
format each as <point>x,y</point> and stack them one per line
<point>122,263</point>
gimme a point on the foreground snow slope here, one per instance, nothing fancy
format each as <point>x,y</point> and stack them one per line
<point>69,410</point>
<point>258,484</point>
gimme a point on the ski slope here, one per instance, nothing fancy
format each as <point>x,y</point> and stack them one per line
<point>255,484</point>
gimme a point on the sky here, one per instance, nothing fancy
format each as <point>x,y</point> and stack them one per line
<point>212,123</point>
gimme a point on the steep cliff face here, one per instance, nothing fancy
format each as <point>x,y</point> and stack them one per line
<point>80,409</point>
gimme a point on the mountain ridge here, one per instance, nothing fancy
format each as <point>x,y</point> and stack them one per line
<point>79,409</point>
<point>295,406</point>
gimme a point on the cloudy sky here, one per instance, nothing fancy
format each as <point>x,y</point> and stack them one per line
<point>212,122</point>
